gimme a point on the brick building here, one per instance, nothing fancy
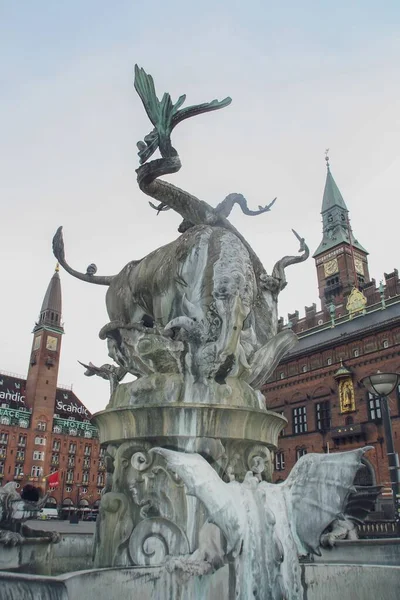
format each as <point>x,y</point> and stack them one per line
<point>317,386</point>
<point>44,427</point>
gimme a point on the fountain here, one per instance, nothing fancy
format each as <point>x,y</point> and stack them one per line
<point>189,510</point>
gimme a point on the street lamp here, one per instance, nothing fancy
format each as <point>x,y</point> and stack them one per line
<point>74,518</point>
<point>382,385</point>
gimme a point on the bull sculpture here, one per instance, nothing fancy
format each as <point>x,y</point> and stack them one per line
<point>195,320</point>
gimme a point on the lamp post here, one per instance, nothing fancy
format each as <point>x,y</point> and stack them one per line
<point>382,385</point>
<point>75,517</point>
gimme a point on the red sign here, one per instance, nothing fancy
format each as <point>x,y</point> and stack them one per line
<point>53,480</point>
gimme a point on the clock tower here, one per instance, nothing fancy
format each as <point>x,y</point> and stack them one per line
<point>41,384</point>
<point>340,259</point>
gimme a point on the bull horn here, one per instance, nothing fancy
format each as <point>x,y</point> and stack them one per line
<point>180,323</point>
<point>278,271</point>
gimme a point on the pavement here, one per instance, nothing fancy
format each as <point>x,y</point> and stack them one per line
<point>62,526</point>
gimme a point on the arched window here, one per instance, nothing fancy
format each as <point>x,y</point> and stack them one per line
<point>349,421</point>
<point>5,420</point>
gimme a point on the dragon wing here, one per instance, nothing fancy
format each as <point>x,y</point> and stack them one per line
<point>362,501</point>
<point>222,500</point>
<point>316,492</point>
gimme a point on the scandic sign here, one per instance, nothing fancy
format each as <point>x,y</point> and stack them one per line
<point>15,396</point>
<point>71,408</point>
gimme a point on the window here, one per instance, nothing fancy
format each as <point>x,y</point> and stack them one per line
<point>68,489</point>
<point>100,479</point>
<point>88,433</point>
<point>385,343</point>
<point>3,438</point>
<point>40,441</point>
<point>300,452</point>
<point>304,369</point>
<point>38,455</point>
<point>299,415</point>
<point>55,459</point>
<point>374,407</point>
<point>41,425</point>
<point>71,461</point>
<point>3,451</point>
<point>5,420</point>
<point>102,452</point>
<point>20,455</point>
<point>85,477</point>
<point>73,431</point>
<point>36,471</point>
<point>86,463</point>
<point>279,461</point>
<point>329,361</point>
<point>84,490</point>
<point>70,477</point>
<point>356,352</point>
<point>22,440</point>
<point>1,467</point>
<point>18,471</point>
<point>57,429</point>
<point>282,375</point>
<point>323,415</point>
<point>56,445</point>
<point>88,449</point>
<point>23,423</point>
<point>72,448</point>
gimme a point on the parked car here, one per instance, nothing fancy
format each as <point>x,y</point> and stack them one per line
<point>48,513</point>
<point>91,517</point>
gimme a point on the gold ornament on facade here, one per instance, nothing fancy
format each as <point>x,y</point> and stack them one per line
<point>356,302</point>
<point>346,395</point>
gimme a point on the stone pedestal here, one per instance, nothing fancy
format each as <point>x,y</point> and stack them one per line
<point>145,512</point>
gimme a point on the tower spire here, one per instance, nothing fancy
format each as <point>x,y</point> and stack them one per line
<point>50,312</point>
<point>340,259</point>
<point>336,228</point>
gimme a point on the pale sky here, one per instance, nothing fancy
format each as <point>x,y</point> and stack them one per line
<point>303,76</point>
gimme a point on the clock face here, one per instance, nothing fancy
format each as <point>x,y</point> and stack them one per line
<point>36,343</point>
<point>331,267</point>
<point>51,343</point>
<point>358,263</point>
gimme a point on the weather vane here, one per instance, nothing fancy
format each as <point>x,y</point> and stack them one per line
<point>327,157</point>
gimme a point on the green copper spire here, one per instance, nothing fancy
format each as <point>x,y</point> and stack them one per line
<point>332,196</point>
<point>335,224</point>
